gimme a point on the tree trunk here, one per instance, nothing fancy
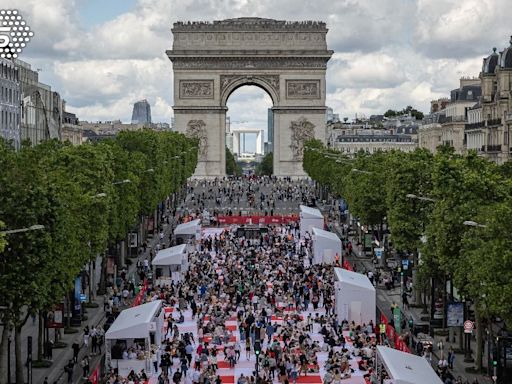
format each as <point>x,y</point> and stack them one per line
<point>40,336</point>
<point>415,285</point>
<point>103,276</point>
<point>17,352</point>
<point>479,333</point>
<point>3,354</point>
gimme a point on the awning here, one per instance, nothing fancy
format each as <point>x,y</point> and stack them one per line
<point>134,323</point>
<point>406,368</point>
<point>310,213</point>
<point>190,228</point>
<point>353,278</point>
<point>170,256</point>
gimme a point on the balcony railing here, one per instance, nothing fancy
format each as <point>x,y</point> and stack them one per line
<point>493,122</point>
<point>494,148</point>
<point>480,124</point>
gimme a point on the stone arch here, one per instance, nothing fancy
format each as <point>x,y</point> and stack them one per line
<point>230,83</point>
<point>288,60</point>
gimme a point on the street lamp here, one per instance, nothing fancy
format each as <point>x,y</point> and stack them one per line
<point>471,223</point>
<point>360,171</point>
<point>125,181</point>
<point>422,198</point>
<point>31,228</point>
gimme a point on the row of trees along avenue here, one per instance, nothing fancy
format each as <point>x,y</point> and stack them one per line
<point>88,198</point>
<point>425,200</point>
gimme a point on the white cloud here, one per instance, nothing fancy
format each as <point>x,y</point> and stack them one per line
<point>390,53</point>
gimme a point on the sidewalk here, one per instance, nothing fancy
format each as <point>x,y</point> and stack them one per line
<point>385,298</point>
<point>96,316</point>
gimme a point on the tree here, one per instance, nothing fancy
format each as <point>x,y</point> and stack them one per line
<point>266,167</point>
<point>3,241</point>
<point>232,168</point>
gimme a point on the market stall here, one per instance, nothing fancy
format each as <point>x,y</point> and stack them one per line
<point>310,218</point>
<point>354,297</point>
<point>188,233</point>
<point>170,264</point>
<point>326,247</point>
<point>397,367</point>
<point>131,338</point>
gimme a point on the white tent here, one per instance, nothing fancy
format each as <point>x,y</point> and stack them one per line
<point>406,368</point>
<point>192,228</point>
<point>135,322</point>
<point>309,218</point>
<point>325,246</point>
<point>171,256</point>
<point>176,259</point>
<point>142,325</point>
<point>354,297</point>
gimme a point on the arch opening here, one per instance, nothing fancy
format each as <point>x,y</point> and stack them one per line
<point>249,127</point>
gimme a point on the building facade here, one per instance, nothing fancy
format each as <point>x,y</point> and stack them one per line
<point>10,103</point>
<point>490,122</point>
<point>445,125</point>
<point>41,108</point>
<point>71,130</point>
<point>141,112</point>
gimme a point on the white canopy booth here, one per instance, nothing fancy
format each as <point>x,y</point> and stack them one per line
<point>141,325</point>
<point>354,297</point>
<point>188,233</point>
<point>325,247</point>
<point>309,218</point>
<point>170,264</point>
<point>404,368</point>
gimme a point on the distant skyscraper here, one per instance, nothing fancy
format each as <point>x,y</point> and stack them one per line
<point>141,112</point>
<point>270,130</point>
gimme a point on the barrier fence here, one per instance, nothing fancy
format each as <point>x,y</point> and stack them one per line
<point>256,219</point>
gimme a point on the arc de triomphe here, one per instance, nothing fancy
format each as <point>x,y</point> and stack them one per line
<point>286,59</point>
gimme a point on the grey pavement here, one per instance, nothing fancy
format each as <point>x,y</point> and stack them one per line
<point>385,298</point>
<point>239,202</point>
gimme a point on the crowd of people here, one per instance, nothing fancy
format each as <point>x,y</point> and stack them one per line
<point>257,304</point>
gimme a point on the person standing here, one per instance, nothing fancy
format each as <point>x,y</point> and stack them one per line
<point>85,367</point>
<point>76,349</point>
<point>69,370</point>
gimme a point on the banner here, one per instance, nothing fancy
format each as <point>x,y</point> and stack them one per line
<point>266,220</point>
<point>54,318</point>
<point>94,378</point>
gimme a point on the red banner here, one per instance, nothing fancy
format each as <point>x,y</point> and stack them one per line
<point>94,378</point>
<point>140,295</point>
<point>285,219</point>
<point>54,318</point>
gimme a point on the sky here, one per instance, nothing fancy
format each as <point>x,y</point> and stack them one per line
<point>103,55</point>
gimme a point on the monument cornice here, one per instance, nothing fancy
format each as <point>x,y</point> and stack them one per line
<point>248,53</point>
<point>199,109</point>
<point>248,24</point>
<point>250,63</point>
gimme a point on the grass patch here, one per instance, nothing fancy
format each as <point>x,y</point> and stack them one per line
<point>41,364</point>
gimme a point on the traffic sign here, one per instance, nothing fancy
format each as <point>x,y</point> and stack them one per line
<point>468,326</point>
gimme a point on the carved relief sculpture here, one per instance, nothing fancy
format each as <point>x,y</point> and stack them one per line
<point>300,89</point>
<point>196,129</point>
<point>302,131</point>
<point>196,89</point>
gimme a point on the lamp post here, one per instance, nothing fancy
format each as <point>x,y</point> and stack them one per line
<point>19,230</point>
<point>125,181</point>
